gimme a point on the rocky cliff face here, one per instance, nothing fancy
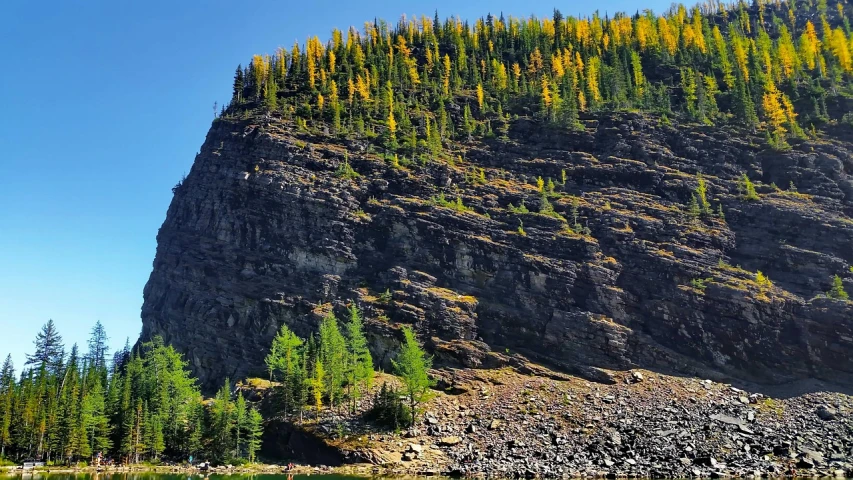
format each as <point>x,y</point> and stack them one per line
<point>263,231</point>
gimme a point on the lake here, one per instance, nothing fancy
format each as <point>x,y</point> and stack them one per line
<point>170,476</point>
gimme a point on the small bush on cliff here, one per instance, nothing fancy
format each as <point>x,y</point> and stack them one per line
<point>700,283</point>
<point>693,209</point>
<point>702,195</point>
<point>837,290</point>
<point>548,210</point>
<point>457,205</point>
<point>747,189</point>
<point>762,281</point>
<point>519,209</point>
<point>346,171</point>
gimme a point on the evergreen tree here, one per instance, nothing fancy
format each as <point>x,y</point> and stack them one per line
<point>221,423</point>
<point>412,366</point>
<point>332,357</point>
<point>240,421</point>
<point>254,432</point>
<point>50,352</point>
<point>359,362</point>
<point>283,361</point>
<point>96,357</point>
<point>7,397</point>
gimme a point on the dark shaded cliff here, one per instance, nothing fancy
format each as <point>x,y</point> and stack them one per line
<point>265,230</point>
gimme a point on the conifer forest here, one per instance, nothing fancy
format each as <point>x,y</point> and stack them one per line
<point>775,66</point>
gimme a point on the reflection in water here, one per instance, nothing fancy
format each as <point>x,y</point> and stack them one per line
<point>29,475</point>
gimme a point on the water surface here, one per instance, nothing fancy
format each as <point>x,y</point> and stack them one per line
<point>29,475</point>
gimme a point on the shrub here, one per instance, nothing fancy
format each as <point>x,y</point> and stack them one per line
<point>389,410</point>
<point>345,171</point>
<point>548,209</point>
<point>837,290</point>
<point>700,283</point>
<point>457,205</point>
<point>747,188</point>
<point>519,209</point>
<point>762,281</point>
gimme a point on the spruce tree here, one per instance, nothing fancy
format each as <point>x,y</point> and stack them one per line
<point>50,352</point>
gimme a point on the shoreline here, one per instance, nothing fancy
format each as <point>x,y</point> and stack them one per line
<point>256,468</point>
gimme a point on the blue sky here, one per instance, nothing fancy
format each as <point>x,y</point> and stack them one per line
<point>103,105</point>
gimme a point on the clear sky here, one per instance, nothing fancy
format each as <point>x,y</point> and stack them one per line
<point>104,104</point>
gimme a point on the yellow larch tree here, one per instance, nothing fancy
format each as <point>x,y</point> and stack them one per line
<point>774,114</point>
<point>592,73</point>
<point>392,123</point>
<point>445,79</point>
<point>809,46</point>
<point>516,74</point>
<point>667,36</point>
<point>350,90</point>
<point>786,54</point>
<point>557,65</point>
<point>546,93</point>
<point>362,86</point>
<point>840,49</point>
<point>534,64</point>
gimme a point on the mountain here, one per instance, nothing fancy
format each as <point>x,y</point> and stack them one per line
<point>672,192</point>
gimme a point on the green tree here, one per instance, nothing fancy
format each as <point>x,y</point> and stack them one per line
<point>283,360</point>
<point>240,420</point>
<point>747,188</point>
<point>837,290</point>
<point>221,423</point>
<point>254,433</point>
<point>412,366</point>
<point>50,351</point>
<point>7,397</point>
<point>359,361</point>
<point>702,195</point>
<point>333,359</point>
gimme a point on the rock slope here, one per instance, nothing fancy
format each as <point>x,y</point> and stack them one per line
<point>604,268</point>
<point>503,424</point>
